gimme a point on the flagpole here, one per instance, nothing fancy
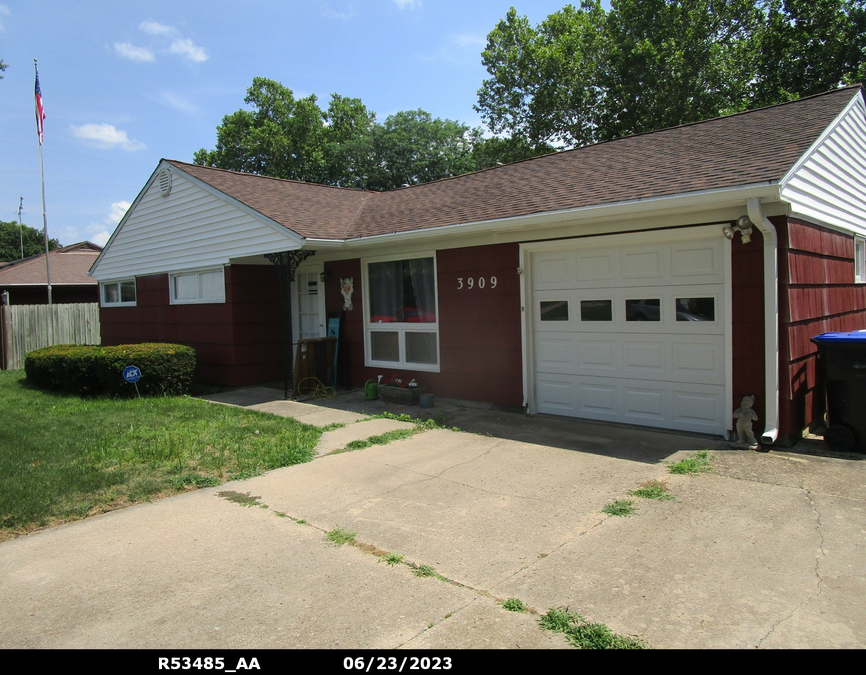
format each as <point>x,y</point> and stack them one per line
<point>40,116</point>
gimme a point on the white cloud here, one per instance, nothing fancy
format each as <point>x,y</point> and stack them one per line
<point>186,47</point>
<point>101,238</point>
<point>107,136</point>
<point>130,51</point>
<point>99,233</point>
<point>162,34</point>
<point>179,102</point>
<point>458,50</point>
<point>4,11</point>
<point>411,4</point>
<point>346,11</point>
<point>117,211</point>
<point>156,28</point>
<point>468,40</point>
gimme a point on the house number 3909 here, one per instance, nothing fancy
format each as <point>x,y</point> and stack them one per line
<point>470,282</point>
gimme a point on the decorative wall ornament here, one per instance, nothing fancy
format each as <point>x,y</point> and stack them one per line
<point>347,287</point>
<point>745,416</point>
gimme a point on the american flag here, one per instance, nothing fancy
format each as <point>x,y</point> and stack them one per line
<point>40,110</point>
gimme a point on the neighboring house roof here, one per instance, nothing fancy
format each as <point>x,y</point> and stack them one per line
<point>757,147</point>
<point>69,266</point>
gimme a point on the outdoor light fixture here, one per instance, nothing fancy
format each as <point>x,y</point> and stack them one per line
<point>743,226</point>
<point>325,275</point>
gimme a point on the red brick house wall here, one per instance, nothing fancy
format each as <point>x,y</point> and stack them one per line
<point>747,330</point>
<point>817,294</point>
<point>479,329</point>
<point>237,342</point>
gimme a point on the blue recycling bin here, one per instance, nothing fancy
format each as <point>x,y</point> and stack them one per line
<point>843,366</point>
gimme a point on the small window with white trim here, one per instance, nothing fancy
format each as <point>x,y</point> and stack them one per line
<point>202,286</point>
<point>859,260</point>
<point>120,293</point>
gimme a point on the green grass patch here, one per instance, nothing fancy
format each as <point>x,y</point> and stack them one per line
<point>333,426</point>
<point>391,559</point>
<point>338,536</point>
<point>585,635</point>
<point>381,439</point>
<point>242,498</point>
<point>513,605</point>
<point>424,571</point>
<point>437,422</point>
<point>65,457</point>
<point>621,507</point>
<point>696,464</point>
<point>652,489</point>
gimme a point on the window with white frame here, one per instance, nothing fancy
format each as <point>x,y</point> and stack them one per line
<point>401,314</point>
<point>202,286</point>
<point>120,293</point>
<point>859,260</point>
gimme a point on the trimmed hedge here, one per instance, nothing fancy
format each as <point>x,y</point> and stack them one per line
<point>166,369</point>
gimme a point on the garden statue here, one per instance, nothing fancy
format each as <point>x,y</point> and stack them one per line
<point>745,416</point>
<point>347,287</point>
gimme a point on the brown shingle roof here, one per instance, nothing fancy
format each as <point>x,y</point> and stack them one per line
<point>69,265</point>
<point>311,210</point>
<point>749,148</point>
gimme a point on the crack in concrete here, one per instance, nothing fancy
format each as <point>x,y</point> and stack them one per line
<point>819,581</point>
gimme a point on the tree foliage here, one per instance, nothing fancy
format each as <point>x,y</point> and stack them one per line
<point>809,46</point>
<point>585,74</point>
<point>34,241</point>
<point>285,137</point>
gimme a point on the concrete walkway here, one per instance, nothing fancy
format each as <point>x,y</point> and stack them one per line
<point>765,550</point>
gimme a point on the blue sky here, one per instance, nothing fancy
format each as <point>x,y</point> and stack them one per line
<point>125,84</point>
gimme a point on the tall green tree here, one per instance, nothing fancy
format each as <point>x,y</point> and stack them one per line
<point>3,67</point>
<point>281,136</point>
<point>585,75</point>
<point>808,46</point>
<point>545,84</point>
<point>10,241</point>
<point>293,138</point>
<point>412,147</point>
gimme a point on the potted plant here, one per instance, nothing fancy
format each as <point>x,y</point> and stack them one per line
<point>397,390</point>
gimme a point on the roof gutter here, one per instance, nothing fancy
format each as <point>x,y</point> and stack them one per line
<point>771,320</point>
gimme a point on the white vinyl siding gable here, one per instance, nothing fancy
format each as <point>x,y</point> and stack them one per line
<point>829,184</point>
<point>191,228</point>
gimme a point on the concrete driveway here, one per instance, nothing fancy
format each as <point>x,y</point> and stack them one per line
<point>764,550</point>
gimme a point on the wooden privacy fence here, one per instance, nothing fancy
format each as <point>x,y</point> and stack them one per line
<point>24,328</point>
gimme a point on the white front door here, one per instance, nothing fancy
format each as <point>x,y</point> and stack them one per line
<point>632,329</point>
<point>309,305</point>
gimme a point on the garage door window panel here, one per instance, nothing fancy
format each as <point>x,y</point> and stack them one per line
<point>646,309</point>
<point>696,309</point>
<point>596,310</point>
<point>555,310</point>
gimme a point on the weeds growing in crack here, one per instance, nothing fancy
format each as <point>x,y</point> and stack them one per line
<point>585,635</point>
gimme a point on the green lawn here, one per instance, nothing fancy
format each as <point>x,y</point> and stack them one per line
<point>64,458</point>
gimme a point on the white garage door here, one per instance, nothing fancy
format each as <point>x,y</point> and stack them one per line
<point>632,331</point>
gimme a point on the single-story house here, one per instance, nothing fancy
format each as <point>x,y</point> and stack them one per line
<point>26,280</point>
<point>652,280</point>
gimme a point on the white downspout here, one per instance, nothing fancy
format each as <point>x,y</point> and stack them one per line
<point>771,320</point>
